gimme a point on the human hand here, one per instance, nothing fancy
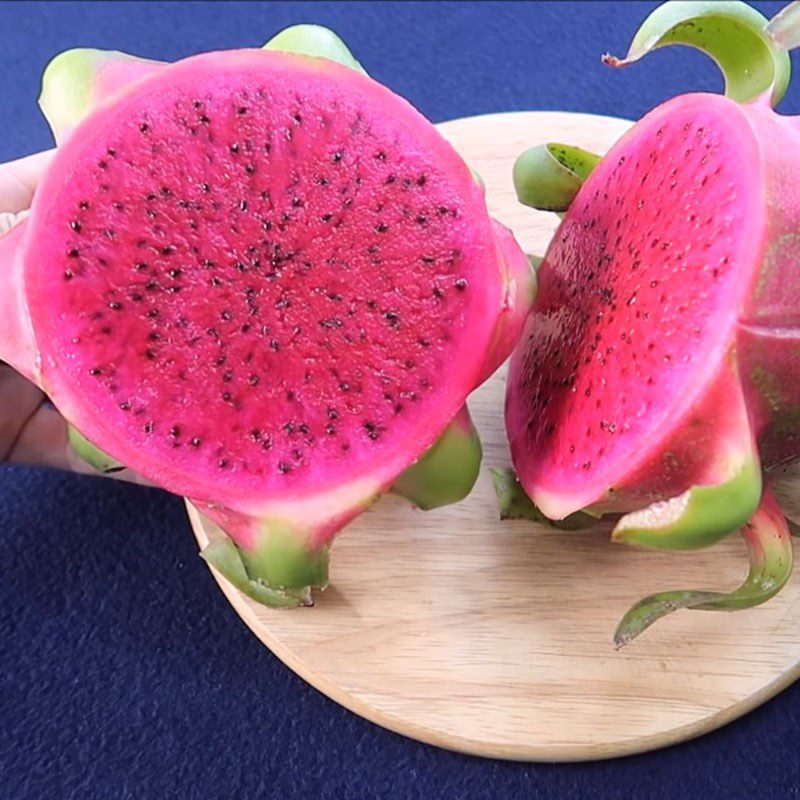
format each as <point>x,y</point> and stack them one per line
<point>31,430</point>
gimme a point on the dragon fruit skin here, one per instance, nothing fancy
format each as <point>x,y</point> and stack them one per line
<point>658,376</point>
<point>282,535</point>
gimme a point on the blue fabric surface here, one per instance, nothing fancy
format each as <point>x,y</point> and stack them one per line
<point>123,671</point>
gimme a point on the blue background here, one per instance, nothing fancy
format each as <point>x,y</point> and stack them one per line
<point>123,671</point>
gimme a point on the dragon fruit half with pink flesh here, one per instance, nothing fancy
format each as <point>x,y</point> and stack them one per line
<point>265,282</point>
<point>658,377</point>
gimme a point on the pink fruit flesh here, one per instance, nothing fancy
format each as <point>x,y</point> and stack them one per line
<point>627,354</point>
<point>253,274</point>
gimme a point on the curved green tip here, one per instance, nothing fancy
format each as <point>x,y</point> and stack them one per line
<point>314,40</point>
<point>92,455</point>
<point>549,176</point>
<point>447,472</point>
<point>732,33</point>
<point>700,516</point>
<point>769,548</point>
<point>514,503</point>
<point>279,571</point>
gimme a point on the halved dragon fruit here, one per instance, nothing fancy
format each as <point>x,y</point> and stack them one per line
<point>659,373</point>
<point>263,281</point>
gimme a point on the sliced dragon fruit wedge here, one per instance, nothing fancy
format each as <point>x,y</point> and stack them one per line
<point>658,373</point>
<point>265,282</point>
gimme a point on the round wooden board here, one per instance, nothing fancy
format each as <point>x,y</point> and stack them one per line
<point>495,638</point>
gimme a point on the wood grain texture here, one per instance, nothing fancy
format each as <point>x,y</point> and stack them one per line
<point>495,638</point>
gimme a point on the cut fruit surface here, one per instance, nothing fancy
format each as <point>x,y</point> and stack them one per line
<point>346,249</point>
<point>629,346</point>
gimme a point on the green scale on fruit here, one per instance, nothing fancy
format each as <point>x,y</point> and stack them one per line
<point>658,379</point>
<point>264,282</point>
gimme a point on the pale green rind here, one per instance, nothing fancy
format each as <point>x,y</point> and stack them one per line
<point>91,454</point>
<point>784,27</point>
<point>446,472</point>
<point>548,177</point>
<point>282,559</point>
<point>71,81</point>
<point>700,516</point>
<point>226,558</point>
<point>732,33</point>
<point>536,262</point>
<point>314,40</point>
<point>515,504</point>
<point>67,88</point>
<point>769,549</point>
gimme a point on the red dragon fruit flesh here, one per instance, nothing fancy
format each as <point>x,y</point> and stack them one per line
<point>658,376</point>
<point>265,282</point>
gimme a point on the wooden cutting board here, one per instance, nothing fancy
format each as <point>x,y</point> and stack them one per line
<point>495,638</point>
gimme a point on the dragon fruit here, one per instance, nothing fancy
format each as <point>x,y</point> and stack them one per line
<point>658,378</point>
<point>263,281</point>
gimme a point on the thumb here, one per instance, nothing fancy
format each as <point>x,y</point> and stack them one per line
<point>19,179</point>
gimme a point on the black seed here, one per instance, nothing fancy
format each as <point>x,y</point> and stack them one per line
<point>227,396</point>
<point>421,219</point>
<point>227,315</point>
<point>234,148</point>
<point>148,428</point>
<point>73,253</point>
<point>275,344</point>
<point>175,273</point>
<point>75,225</point>
<point>174,431</point>
<point>136,297</point>
<point>283,467</point>
<point>227,377</point>
<point>461,284</point>
<point>332,413</point>
<point>253,380</point>
<point>114,305</point>
<point>241,111</point>
<point>144,127</point>
<point>84,204</point>
<point>243,205</point>
<point>222,463</point>
<point>381,227</point>
<point>150,355</point>
<point>95,371</point>
<point>195,441</point>
<point>167,250</point>
<point>68,274</point>
<point>337,157</point>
